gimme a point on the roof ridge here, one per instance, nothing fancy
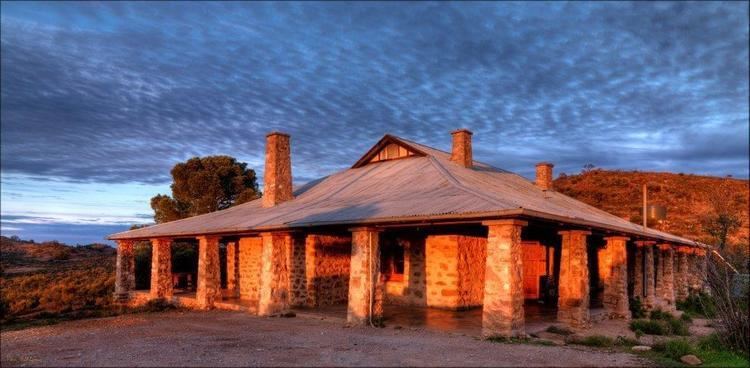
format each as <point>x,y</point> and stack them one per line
<point>457,184</point>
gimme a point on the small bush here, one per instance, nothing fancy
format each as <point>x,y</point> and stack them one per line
<point>559,330</point>
<point>661,315</point>
<point>636,308</point>
<point>711,342</point>
<point>686,317</point>
<point>650,327</point>
<point>677,348</point>
<point>678,327</point>
<point>596,341</point>
<point>626,341</point>
<point>699,304</point>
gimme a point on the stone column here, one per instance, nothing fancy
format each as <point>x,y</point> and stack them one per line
<point>275,291</point>
<point>681,276</point>
<point>209,277</point>
<point>649,297</point>
<point>363,276</point>
<point>161,268</point>
<point>311,244</point>
<point>233,268</point>
<point>667,279</point>
<point>638,274</point>
<point>615,280</point>
<point>693,271</point>
<point>125,271</point>
<point>502,310</point>
<point>573,289</point>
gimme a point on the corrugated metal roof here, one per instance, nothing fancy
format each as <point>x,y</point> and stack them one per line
<point>415,188</point>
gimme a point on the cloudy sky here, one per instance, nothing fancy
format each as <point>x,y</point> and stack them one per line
<point>100,100</point>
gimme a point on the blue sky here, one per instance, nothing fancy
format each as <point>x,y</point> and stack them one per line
<point>100,100</point>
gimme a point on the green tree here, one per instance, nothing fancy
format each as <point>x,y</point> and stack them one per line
<point>723,219</point>
<point>205,184</point>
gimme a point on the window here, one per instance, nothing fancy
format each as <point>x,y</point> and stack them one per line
<point>392,261</point>
<point>390,152</point>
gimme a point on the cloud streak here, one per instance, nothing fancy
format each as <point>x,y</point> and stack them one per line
<point>117,93</point>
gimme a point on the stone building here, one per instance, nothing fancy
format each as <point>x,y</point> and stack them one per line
<point>412,226</point>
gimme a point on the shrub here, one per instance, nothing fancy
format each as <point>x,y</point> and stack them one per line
<point>731,310</point>
<point>661,315</point>
<point>596,341</point>
<point>626,341</point>
<point>678,327</point>
<point>677,348</point>
<point>685,317</point>
<point>650,327</point>
<point>698,303</point>
<point>559,330</point>
<point>636,308</point>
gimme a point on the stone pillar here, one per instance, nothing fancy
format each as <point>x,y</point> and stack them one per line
<point>693,271</point>
<point>681,276</point>
<point>311,243</point>
<point>161,268</point>
<point>275,291</point>
<point>638,274</point>
<point>363,276</point>
<point>614,259</point>
<point>667,279</point>
<point>125,271</point>
<point>297,271</point>
<point>502,310</point>
<point>233,268</point>
<point>209,277</point>
<point>649,297</point>
<point>573,289</point>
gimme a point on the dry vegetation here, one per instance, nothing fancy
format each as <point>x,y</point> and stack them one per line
<point>50,281</point>
<point>689,198</point>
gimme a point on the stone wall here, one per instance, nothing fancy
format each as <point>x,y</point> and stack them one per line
<point>614,274</point>
<point>250,249</point>
<point>410,291</point>
<point>364,261</point>
<point>327,258</point>
<point>209,279</point>
<point>161,268</point>
<point>454,267</point>
<point>275,295</point>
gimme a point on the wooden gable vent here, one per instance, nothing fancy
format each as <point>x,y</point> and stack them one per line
<point>388,148</point>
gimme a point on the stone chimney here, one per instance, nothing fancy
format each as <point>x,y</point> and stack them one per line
<point>461,151</point>
<point>277,179</point>
<point>544,175</point>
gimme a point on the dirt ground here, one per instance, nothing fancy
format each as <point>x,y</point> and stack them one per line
<point>220,338</point>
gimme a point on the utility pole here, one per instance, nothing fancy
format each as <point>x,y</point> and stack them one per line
<point>644,207</point>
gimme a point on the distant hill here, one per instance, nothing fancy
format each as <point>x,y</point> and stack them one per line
<point>688,198</point>
<point>19,256</point>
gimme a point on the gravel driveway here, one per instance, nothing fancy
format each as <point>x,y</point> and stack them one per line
<point>220,338</point>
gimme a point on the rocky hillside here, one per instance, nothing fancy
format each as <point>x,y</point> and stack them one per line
<point>20,256</point>
<point>689,199</point>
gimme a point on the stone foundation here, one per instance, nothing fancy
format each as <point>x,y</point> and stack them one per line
<point>502,311</point>
<point>161,268</point>
<point>573,289</point>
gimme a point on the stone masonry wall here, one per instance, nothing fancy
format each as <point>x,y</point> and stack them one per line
<point>364,260</point>
<point>275,283</point>
<point>410,291</point>
<point>667,283</point>
<point>125,269</point>
<point>328,258</point>
<point>250,249</point>
<point>638,274</point>
<point>681,275</point>
<point>472,254</point>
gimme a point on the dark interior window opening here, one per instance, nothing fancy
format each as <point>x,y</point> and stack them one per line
<point>392,261</point>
